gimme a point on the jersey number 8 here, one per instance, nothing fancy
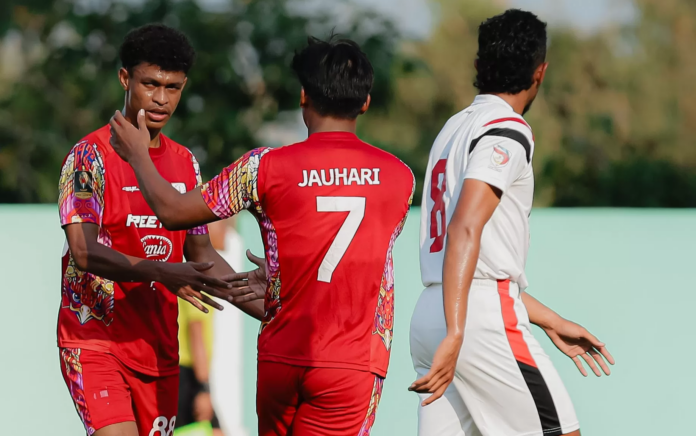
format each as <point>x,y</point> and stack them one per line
<point>438,187</point>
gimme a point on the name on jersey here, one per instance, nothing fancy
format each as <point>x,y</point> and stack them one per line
<point>338,177</point>
<point>143,221</point>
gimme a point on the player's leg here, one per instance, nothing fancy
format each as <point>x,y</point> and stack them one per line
<point>155,402</point>
<point>507,382</point>
<point>99,391</point>
<point>277,397</point>
<point>449,415</point>
<point>337,402</point>
<point>187,394</point>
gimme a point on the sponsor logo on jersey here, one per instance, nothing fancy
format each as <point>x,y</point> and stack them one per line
<point>156,247</point>
<point>131,188</point>
<point>340,176</point>
<point>500,156</point>
<point>83,185</point>
<point>181,187</point>
<point>143,221</point>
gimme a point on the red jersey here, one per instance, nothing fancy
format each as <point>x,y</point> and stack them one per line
<point>330,209</point>
<point>136,322</point>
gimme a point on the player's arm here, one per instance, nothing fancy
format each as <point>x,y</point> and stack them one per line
<point>198,248</point>
<point>475,207</point>
<point>186,280</point>
<point>572,339</point>
<point>81,206</point>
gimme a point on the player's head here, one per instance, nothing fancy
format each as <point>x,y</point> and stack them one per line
<point>155,60</point>
<point>336,79</point>
<point>512,54</point>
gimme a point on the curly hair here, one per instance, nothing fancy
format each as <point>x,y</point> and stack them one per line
<point>159,45</point>
<point>336,75</point>
<point>511,46</point>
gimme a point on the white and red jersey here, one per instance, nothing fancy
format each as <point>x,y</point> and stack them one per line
<point>330,209</point>
<point>487,141</point>
<point>136,322</point>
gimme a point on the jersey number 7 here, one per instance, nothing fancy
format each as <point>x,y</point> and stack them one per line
<point>355,206</point>
<point>438,187</point>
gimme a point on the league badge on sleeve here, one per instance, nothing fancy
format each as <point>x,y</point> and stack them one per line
<point>500,156</point>
<point>83,185</point>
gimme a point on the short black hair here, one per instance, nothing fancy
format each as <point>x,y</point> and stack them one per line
<point>159,45</point>
<point>336,75</point>
<point>511,47</point>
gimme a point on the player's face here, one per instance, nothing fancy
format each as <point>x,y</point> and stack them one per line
<point>156,91</point>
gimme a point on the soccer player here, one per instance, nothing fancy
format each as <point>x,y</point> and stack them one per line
<point>329,209</point>
<point>474,239</point>
<point>122,270</point>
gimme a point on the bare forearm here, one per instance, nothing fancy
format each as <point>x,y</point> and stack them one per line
<point>458,273</point>
<point>198,351</point>
<point>112,265</point>
<point>539,314</point>
<point>159,194</point>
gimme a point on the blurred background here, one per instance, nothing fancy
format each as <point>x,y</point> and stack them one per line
<point>615,128</point>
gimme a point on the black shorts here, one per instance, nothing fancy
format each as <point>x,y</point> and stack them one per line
<point>189,387</point>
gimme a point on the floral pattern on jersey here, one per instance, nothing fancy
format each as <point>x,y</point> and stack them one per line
<point>75,382</point>
<point>234,189</point>
<point>384,316</point>
<point>86,295</point>
<point>85,163</point>
<point>372,409</point>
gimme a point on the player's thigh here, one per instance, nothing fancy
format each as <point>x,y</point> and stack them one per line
<point>121,429</point>
<point>155,403</point>
<point>97,387</point>
<point>508,384</point>
<point>277,397</point>
<point>337,402</point>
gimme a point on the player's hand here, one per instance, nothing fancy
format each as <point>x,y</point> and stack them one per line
<point>127,140</point>
<point>202,407</point>
<point>188,282</point>
<point>251,285</point>
<point>576,342</point>
<point>442,370</point>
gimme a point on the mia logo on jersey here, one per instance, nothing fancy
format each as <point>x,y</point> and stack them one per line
<point>500,156</point>
<point>156,247</point>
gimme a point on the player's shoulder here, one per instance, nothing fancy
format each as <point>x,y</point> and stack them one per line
<point>95,144</point>
<point>497,115</point>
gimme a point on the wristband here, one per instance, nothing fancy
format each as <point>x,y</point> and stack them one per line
<point>205,387</point>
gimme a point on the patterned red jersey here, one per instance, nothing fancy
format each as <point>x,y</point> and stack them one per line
<point>136,322</point>
<point>330,209</point>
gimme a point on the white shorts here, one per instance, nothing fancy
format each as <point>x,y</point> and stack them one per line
<point>504,385</point>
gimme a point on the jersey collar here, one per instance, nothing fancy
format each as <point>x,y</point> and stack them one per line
<point>490,98</point>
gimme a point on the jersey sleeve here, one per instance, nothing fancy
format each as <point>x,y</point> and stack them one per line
<point>200,230</point>
<point>498,161</point>
<point>81,186</point>
<point>236,187</point>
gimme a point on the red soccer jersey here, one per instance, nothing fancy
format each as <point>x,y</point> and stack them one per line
<point>136,322</point>
<point>330,209</point>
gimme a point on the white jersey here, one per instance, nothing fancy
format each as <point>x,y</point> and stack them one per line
<point>487,141</point>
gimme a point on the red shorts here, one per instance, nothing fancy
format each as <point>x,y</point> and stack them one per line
<point>302,401</point>
<point>106,392</point>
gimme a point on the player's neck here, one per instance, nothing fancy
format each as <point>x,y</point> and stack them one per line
<point>328,124</point>
<point>154,134</point>
<point>518,102</point>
